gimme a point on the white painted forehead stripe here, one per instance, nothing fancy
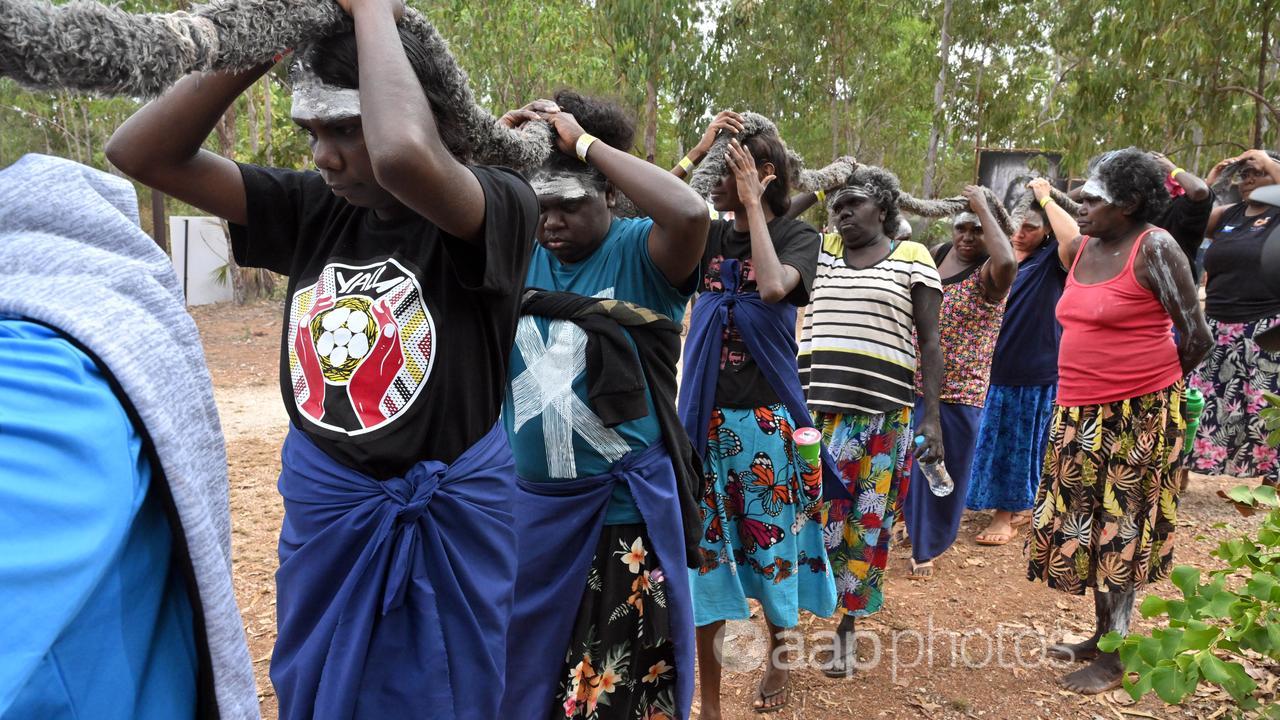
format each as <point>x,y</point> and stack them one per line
<point>567,186</point>
<point>1095,188</point>
<point>313,99</point>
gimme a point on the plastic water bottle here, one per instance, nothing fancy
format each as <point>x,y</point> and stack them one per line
<point>1195,406</point>
<point>936,473</point>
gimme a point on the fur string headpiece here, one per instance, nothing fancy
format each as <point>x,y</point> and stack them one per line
<point>96,48</point>
<point>712,167</point>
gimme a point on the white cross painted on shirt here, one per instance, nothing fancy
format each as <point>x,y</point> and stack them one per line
<point>545,389</point>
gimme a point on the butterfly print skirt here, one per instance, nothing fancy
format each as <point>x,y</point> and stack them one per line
<point>762,537</point>
<point>1108,500</point>
<point>873,454</point>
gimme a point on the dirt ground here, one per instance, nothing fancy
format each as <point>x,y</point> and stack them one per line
<point>985,621</point>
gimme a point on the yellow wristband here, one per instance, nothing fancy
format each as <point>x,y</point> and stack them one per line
<point>822,195</point>
<point>1174,175</point>
<point>1044,201</point>
<point>584,143</point>
<point>685,163</point>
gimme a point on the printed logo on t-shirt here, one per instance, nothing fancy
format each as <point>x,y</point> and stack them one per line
<point>360,346</point>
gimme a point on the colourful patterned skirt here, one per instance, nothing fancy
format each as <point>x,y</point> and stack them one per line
<point>873,453</point>
<point>1232,439</point>
<point>621,663</point>
<point>1012,440</point>
<point>934,522</point>
<point>1107,506</point>
<point>762,535</point>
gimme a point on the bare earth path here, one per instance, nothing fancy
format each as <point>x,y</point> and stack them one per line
<point>987,621</point>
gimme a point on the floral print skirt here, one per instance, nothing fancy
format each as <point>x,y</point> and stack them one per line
<point>1232,439</point>
<point>1107,506</point>
<point>621,662</point>
<point>762,537</point>
<point>873,454</point>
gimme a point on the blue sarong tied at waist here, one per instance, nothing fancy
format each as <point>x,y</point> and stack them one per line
<point>394,596</point>
<point>768,331</point>
<point>559,525</point>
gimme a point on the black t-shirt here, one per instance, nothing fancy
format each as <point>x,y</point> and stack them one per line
<point>741,383</point>
<point>1187,220</point>
<point>1236,292</point>
<point>396,335</point>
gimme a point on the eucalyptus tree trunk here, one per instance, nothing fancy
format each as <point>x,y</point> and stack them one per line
<point>944,52</point>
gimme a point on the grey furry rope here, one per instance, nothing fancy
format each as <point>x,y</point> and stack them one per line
<point>712,167</point>
<point>95,48</point>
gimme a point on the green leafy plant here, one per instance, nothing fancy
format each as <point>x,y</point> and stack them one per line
<point>1219,625</point>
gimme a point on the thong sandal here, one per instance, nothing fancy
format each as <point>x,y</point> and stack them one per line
<point>1020,519</point>
<point>921,571</point>
<point>765,697</point>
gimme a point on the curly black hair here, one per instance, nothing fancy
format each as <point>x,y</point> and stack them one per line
<point>336,61</point>
<point>1133,176</point>
<point>604,118</point>
<point>884,188</point>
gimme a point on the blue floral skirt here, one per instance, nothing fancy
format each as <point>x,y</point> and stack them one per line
<point>1012,440</point>
<point>762,529</point>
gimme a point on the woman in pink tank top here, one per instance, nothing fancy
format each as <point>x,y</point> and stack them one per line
<point>1104,515</point>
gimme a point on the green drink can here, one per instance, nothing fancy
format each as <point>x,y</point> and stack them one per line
<point>808,443</point>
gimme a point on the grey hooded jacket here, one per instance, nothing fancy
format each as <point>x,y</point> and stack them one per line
<point>73,256</point>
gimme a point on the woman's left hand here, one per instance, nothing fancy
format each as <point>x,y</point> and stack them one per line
<point>567,131</point>
<point>931,449</point>
<point>977,200</point>
<point>395,6</point>
<point>750,185</point>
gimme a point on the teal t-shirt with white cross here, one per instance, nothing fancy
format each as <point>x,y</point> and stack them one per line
<point>555,434</point>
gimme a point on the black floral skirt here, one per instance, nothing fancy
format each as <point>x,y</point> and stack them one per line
<point>621,663</point>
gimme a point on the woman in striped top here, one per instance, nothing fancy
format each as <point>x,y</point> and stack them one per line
<point>857,363</point>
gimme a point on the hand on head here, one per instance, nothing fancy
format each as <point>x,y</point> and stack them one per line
<point>726,120</point>
<point>566,128</point>
<point>533,111</point>
<point>1040,187</point>
<point>1165,162</point>
<point>743,165</point>
<point>977,199</point>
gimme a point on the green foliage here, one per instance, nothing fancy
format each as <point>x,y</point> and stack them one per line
<point>1217,624</point>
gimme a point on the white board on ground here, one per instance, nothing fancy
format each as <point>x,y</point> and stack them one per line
<point>200,250</point>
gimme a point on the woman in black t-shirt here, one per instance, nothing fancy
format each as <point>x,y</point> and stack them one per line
<point>762,537</point>
<point>405,267</point>
<point>1232,439</point>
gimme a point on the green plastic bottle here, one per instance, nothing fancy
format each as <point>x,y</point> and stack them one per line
<point>1195,406</point>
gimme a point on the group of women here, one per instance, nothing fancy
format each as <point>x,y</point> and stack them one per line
<point>490,487</point>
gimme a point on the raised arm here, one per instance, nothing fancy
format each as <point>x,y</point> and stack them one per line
<point>925,304</point>
<point>774,281</point>
<point>159,146</point>
<point>1001,266</point>
<point>409,159</point>
<point>1163,269</point>
<point>680,218</point>
<point>1197,189</point>
<point>726,120</point>
<point>1064,226</point>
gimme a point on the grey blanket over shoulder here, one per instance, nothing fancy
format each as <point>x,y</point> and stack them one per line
<point>74,257</point>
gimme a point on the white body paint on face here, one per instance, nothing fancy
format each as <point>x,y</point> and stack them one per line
<point>563,185</point>
<point>1095,188</point>
<point>316,101</point>
<point>966,217</point>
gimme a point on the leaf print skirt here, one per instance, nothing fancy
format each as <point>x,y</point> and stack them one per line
<point>1107,506</point>
<point>761,523</point>
<point>621,662</point>
<point>873,454</point>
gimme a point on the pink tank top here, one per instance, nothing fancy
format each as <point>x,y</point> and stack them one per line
<point>1117,341</point>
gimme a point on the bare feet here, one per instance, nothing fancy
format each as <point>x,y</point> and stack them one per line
<point>1074,652</point>
<point>774,690</point>
<point>999,531</point>
<point>1103,674</point>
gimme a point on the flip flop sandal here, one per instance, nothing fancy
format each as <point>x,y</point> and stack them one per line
<point>1020,519</point>
<point>764,699</point>
<point>921,571</point>
<point>1007,538</point>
